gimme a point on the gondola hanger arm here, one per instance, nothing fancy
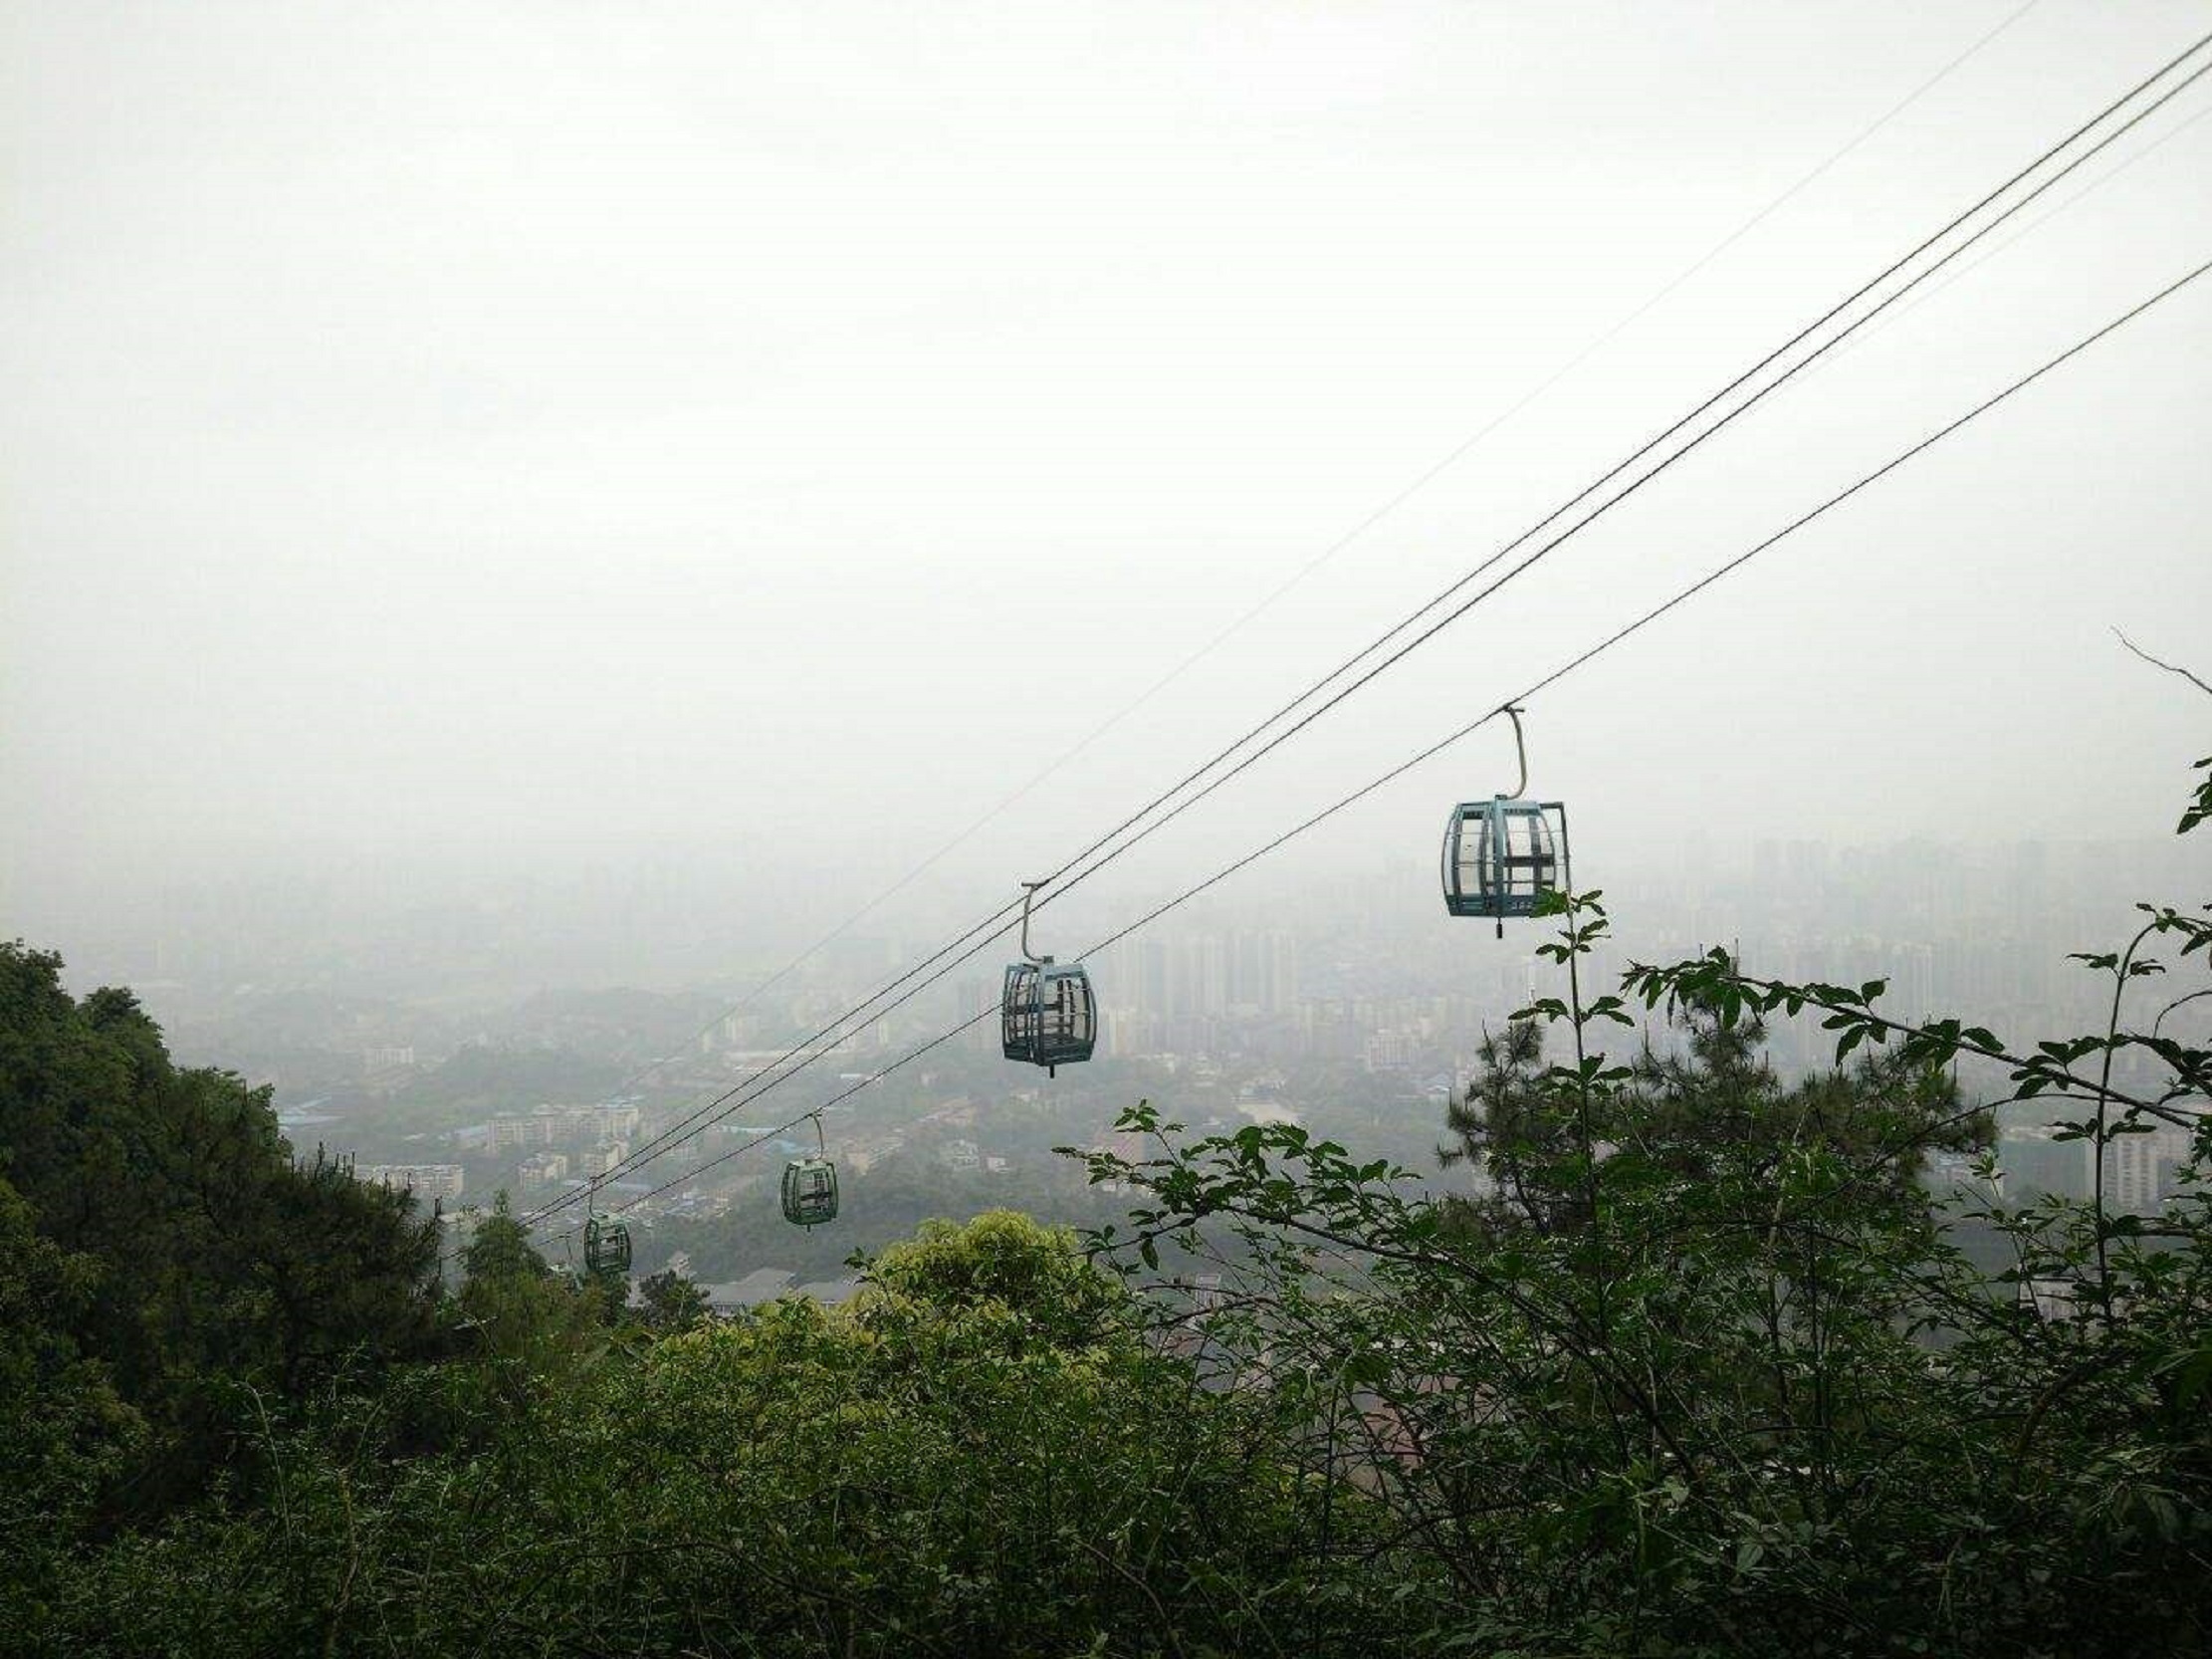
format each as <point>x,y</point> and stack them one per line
<point>1028,898</point>
<point>1520,747</point>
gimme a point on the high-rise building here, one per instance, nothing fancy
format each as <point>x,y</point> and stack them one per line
<point>1262,973</point>
<point>542,1170</point>
<point>2139,1168</point>
<point>1153,977</point>
<point>510,1131</point>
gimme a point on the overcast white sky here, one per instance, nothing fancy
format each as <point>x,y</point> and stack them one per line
<point>478,436</point>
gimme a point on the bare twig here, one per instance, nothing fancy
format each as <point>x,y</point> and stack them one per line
<point>2169,667</point>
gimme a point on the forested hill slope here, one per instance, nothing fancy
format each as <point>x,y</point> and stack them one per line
<point>1702,1374</point>
<point>167,1270</point>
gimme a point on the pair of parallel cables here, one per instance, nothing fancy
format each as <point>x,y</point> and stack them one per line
<point>1591,654</point>
<point>1436,470</point>
<point>1197,784</point>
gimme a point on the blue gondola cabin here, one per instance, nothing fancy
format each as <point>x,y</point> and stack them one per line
<point>1048,1015</point>
<point>1502,855</point>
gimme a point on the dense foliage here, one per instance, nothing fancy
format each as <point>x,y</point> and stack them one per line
<point>1694,1369</point>
<point>1703,1373</point>
<point>166,1267</point>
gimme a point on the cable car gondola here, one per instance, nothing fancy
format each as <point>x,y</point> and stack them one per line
<point>606,1248</point>
<point>1048,1015</point>
<point>1503,855</point>
<point>810,1185</point>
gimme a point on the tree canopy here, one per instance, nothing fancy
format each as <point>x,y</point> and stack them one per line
<point>1702,1371</point>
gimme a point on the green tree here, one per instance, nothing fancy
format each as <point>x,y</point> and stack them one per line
<point>66,1437</point>
<point>1720,1384</point>
<point>499,1246</point>
<point>924,1471</point>
<point>672,1303</point>
<point>536,1327</point>
<point>207,1266</point>
<point>1007,1262</point>
<point>1504,1130</point>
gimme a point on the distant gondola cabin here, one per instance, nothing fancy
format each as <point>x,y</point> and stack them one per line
<point>1048,1015</point>
<point>810,1191</point>
<point>606,1248</point>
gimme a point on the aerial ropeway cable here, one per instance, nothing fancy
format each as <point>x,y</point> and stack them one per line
<point>1575,664</point>
<point>1406,493</point>
<point>980,936</point>
<point>685,1128</point>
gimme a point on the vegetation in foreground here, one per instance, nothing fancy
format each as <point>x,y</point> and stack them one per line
<point>1702,1374</point>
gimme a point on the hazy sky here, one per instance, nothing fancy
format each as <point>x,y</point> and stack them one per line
<point>464,437</point>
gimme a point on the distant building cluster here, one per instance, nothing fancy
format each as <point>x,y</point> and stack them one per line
<point>428,1182</point>
<point>2141,1170</point>
<point>1185,985</point>
<point>550,1126</point>
<point>1354,995</point>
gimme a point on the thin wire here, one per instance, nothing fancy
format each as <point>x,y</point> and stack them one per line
<point>1645,477</point>
<point>1457,453</point>
<point>1764,213</point>
<point>683,1130</point>
<point>1466,446</point>
<point>1624,465</point>
<point>670,1138</point>
<point>2045,217</point>
<point>1656,612</point>
<point>1545,683</point>
<point>767,1136</point>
